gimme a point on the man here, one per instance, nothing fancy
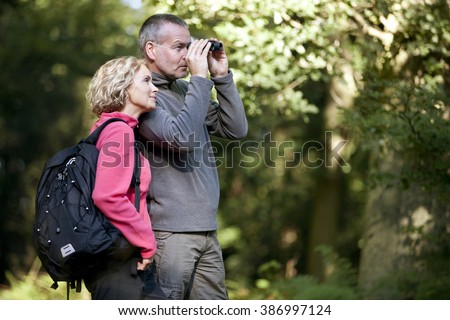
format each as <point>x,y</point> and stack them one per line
<point>184,193</point>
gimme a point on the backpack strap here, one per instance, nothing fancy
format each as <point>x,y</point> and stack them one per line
<point>136,179</point>
<point>137,176</point>
<point>93,137</point>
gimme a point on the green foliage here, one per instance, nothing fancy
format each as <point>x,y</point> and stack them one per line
<point>31,287</point>
<point>401,118</point>
<point>406,284</point>
<point>424,274</point>
<point>405,102</point>
<point>340,284</point>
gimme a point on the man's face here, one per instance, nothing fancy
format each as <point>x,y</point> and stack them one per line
<point>170,54</point>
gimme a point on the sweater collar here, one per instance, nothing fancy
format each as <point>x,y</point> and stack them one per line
<point>161,81</point>
<point>132,122</point>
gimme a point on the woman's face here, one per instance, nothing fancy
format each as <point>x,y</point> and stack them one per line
<point>142,92</point>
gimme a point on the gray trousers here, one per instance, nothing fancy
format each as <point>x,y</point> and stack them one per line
<point>190,266</point>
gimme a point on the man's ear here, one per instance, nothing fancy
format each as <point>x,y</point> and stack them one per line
<point>149,47</point>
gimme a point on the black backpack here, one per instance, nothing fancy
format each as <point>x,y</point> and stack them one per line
<point>70,234</point>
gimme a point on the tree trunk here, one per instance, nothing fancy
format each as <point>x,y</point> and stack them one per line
<point>324,221</point>
<point>399,225</point>
<point>328,198</point>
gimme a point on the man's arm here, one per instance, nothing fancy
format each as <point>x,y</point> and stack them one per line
<point>227,118</point>
<point>164,129</point>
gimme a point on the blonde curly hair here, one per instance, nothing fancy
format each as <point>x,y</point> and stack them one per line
<point>107,88</point>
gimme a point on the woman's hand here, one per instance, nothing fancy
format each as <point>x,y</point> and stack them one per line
<point>144,264</point>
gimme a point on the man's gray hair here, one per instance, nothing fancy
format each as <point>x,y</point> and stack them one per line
<point>150,29</point>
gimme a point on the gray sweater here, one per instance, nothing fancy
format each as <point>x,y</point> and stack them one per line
<point>184,191</point>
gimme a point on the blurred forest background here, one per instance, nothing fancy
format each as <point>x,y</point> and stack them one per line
<point>341,188</point>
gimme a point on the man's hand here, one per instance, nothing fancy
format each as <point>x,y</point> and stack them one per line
<point>217,62</point>
<point>197,57</point>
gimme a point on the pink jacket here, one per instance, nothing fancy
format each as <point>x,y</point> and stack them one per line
<point>112,192</point>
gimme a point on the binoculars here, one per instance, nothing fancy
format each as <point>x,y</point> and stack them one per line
<point>215,45</point>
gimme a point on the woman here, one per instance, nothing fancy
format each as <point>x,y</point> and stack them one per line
<point>122,88</point>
